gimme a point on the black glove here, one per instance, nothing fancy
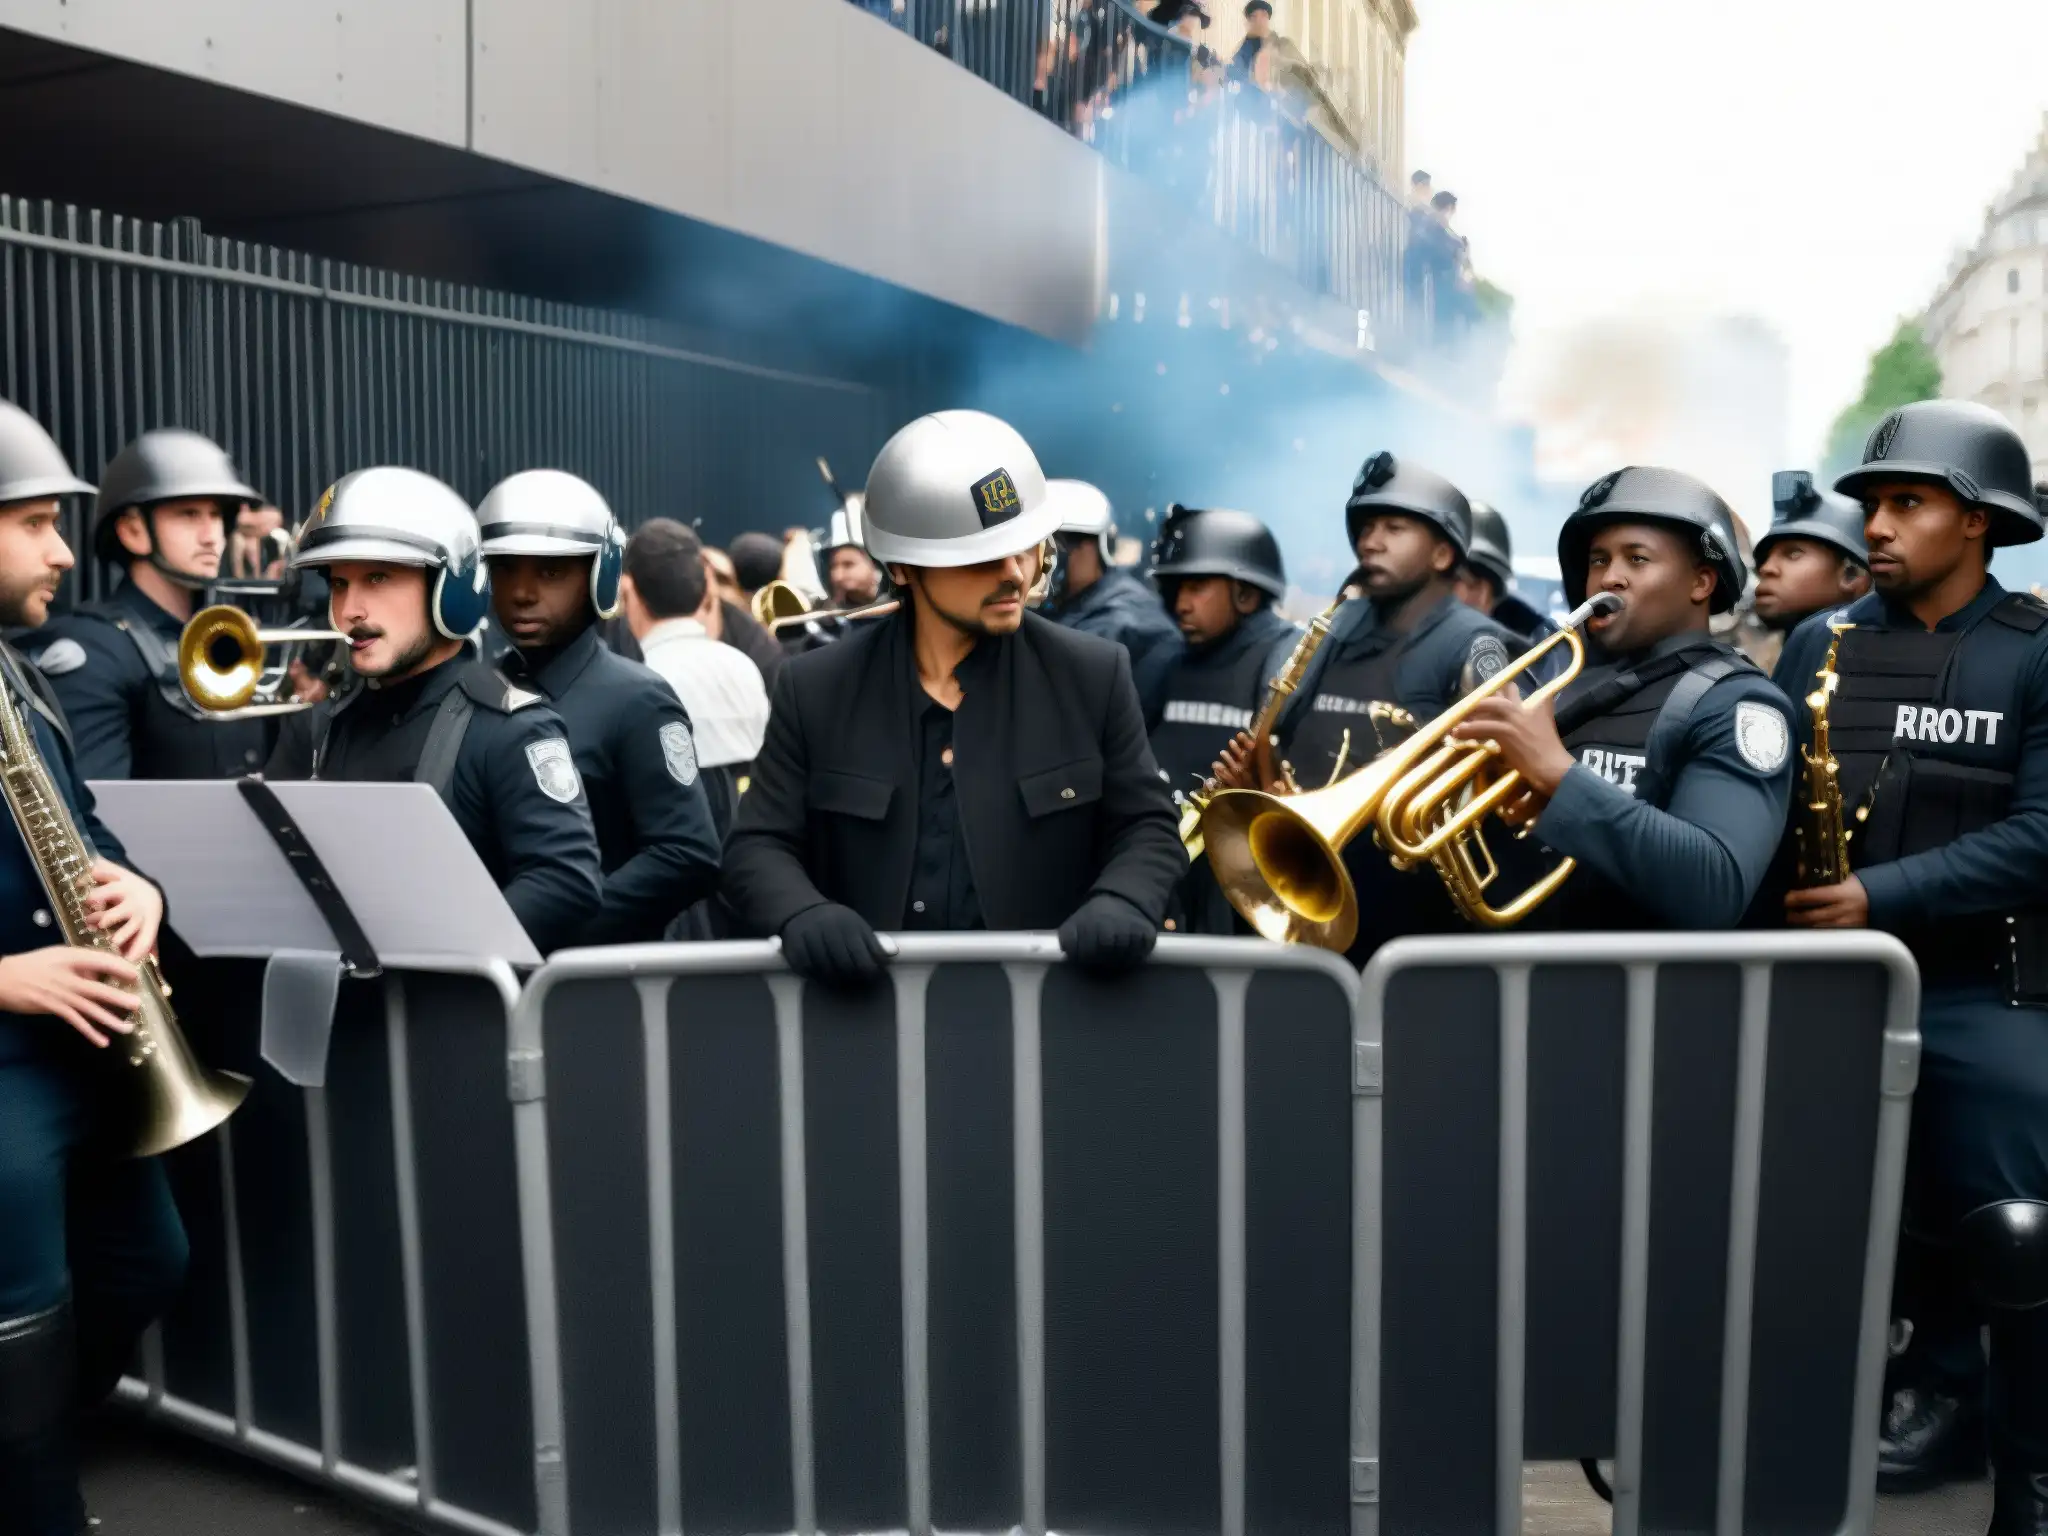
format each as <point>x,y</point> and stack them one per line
<point>833,944</point>
<point>1106,933</point>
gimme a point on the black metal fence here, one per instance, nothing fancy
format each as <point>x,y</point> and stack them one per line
<point>1168,109</point>
<point>305,368</point>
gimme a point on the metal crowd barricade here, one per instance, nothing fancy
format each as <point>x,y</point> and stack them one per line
<point>996,1246</point>
<point>1631,1196</point>
<point>354,1311</point>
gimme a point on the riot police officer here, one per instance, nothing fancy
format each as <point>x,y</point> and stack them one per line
<point>1486,579</point>
<point>1666,770</point>
<point>1812,558</point>
<point>963,763</point>
<point>93,1248</point>
<point>165,506</point>
<point>1940,725</point>
<point>555,554</point>
<point>1092,593</point>
<point>853,581</point>
<point>1407,642</point>
<point>407,584</point>
<point>1219,572</point>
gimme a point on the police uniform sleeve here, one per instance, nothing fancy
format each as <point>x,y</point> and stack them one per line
<point>1999,868</point>
<point>677,859</point>
<point>766,881</point>
<point>94,671</point>
<point>1144,858</point>
<point>291,757</point>
<point>56,744</point>
<point>1697,862</point>
<point>553,878</point>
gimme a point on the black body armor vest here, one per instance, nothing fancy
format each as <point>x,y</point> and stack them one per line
<point>1210,696</point>
<point>1623,724</point>
<point>1917,773</point>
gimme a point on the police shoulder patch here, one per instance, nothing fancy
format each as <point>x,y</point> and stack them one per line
<point>554,769</point>
<point>1762,736</point>
<point>1487,656</point>
<point>679,752</point>
<point>59,657</point>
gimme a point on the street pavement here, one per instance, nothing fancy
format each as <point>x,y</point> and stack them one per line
<point>1557,1502</point>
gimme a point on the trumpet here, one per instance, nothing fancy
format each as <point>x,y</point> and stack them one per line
<point>779,606</point>
<point>222,658</point>
<point>1279,858</point>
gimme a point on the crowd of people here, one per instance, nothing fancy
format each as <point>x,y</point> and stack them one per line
<point>644,737</point>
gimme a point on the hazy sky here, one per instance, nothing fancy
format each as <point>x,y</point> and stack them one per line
<point>1811,162</point>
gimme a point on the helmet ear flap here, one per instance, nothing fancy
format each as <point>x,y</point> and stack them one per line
<point>605,569</point>
<point>462,594</point>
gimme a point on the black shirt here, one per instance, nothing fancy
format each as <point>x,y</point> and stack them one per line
<point>387,728</point>
<point>942,897</point>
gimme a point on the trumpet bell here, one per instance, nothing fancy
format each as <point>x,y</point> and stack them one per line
<point>778,602</point>
<point>221,663</point>
<point>1280,870</point>
<point>220,659</point>
<point>1279,858</point>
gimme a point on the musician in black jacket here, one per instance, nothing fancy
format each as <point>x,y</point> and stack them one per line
<point>963,764</point>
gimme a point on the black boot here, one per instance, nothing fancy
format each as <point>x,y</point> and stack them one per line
<point>38,1456</point>
<point>2021,1507</point>
<point>1929,1438</point>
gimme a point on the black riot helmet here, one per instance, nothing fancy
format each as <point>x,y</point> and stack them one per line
<point>1385,484</point>
<point>32,466</point>
<point>1967,447</point>
<point>1640,495</point>
<point>1801,510</point>
<point>1218,542</point>
<point>1491,550</point>
<point>166,465</point>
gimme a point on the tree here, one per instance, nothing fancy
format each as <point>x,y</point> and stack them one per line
<point>1901,371</point>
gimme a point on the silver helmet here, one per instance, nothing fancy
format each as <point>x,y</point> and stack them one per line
<point>552,512</point>
<point>957,488</point>
<point>394,516</point>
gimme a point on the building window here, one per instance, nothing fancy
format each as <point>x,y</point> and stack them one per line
<point>2012,347</point>
<point>2012,281</point>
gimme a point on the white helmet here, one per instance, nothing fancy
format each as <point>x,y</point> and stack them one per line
<point>1084,510</point>
<point>956,488</point>
<point>552,512</point>
<point>847,528</point>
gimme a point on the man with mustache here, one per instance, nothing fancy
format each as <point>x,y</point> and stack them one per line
<point>165,506</point>
<point>556,556</point>
<point>91,1248</point>
<point>1219,573</point>
<point>1940,725</point>
<point>407,584</point>
<point>1407,642</point>
<point>964,763</point>
<point>1665,768</point>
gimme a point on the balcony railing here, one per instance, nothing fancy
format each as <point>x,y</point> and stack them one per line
<point>1165,108</point>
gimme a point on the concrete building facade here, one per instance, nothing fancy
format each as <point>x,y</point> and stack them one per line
<point>1988,326</point>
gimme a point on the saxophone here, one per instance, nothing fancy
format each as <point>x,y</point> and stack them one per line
<point>1823,830</point>
<point>1277,694</point>
<point>174,1097</point>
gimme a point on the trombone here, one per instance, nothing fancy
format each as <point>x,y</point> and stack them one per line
<point>779,606</point>
<point>221,664</point>
<point>1279,858</point>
